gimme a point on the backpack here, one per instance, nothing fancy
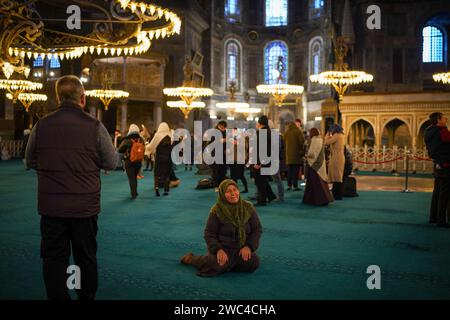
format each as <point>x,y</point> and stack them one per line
<point>137,151</point>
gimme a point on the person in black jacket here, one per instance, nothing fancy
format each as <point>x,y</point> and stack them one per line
<point>437,140</point>
<point>232,235</point>
<point>219,170</point>
<point>68,148</point>
<point>265,193</point>
<point>132,168</point>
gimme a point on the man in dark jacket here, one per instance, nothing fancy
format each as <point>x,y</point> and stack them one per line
<point>68,148</point>
<point>265,193</point>
<point>294,143</point>
<point>219,170</point>
<point>437,139</point>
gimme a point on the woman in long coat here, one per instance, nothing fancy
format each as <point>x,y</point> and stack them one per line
<point>161,147</point>
<point>232,235</point>
<point>336,140</point>
<point>316,191</point>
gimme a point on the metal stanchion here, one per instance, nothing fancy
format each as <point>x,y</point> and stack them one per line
<point>406,190</point>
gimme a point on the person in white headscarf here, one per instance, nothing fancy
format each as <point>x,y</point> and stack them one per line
<point>132,167</point>
<point>316,191</point>
<point>161,147</point>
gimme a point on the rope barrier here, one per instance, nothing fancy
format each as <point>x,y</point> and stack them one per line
<point>422,159</point>
<point>379,162</point>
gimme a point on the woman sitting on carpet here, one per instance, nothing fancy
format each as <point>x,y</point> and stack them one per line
<point>232,235</point>
<point>317,192</point>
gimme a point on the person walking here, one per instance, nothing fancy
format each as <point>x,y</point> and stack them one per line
<point>68,148</point>
<point>132,147</point>
<point>316,191</point>
<point>161,147</point>
<point>294,143</point>
<point>237,170</point>
<point>265,193</point>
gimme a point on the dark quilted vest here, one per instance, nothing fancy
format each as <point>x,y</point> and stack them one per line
<point>68,164</point>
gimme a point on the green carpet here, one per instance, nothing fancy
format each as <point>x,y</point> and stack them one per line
<point>306,252</point>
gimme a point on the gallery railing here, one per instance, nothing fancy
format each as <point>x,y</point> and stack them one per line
<point>12,147</point>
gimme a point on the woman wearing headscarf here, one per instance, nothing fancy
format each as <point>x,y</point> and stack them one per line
<point>132,168</point>
<point>232,235</point>
<point>336,140</point>
<point>316,191</point>
<point>161,147</point>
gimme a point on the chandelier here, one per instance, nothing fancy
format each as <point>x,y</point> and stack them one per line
<point>249,112</point>
<point>442,77</point>
<point>27,98</point>
<point>341,78</point>
<point>188,93</point>
<point>106,96</point>
<point>232,105</point>
<point>115,27</point>
<point>16,87</point>
<point>184,107</point>
<point>279,91</point>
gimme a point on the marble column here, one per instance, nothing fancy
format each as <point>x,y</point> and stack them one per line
<point>99,114</point>
<point>124,116</point>
<point>157,113</point>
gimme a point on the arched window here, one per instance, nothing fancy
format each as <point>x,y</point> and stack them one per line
<point>318,4</point>
<point>315,49</point>
<point>54,63</point>
<point>232,11</point>
<point>433,45</point>
<point>273,51</point>
<point>233,63</point>
<point>276,13</point>
<point>38,62</point>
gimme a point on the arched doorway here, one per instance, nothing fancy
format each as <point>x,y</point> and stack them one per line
<point>396,132</point>
<point>420,143</point>
<point>361,133</point>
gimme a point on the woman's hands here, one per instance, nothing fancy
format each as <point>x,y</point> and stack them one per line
<point>245,253</point>
<point>222,257</point>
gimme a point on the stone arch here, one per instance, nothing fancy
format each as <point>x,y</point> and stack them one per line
<point>396,131</point>
<point>408,123</point>
<point>420,143</point>
<point>361,132</point>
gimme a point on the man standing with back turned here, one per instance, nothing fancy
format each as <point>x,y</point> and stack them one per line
<point>68,148</point>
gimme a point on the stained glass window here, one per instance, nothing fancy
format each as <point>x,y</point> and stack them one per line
<point>38,62</point>
<point>315,57</point>
<point>54,63</point>
<point>318,4</point>
<point>276,13</point>
<point>232,11</point>
<point>233,60</point>
<point>273,51</point>
<point>433,45</point>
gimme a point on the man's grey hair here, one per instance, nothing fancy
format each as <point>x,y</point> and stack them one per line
<point>69,89</point>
